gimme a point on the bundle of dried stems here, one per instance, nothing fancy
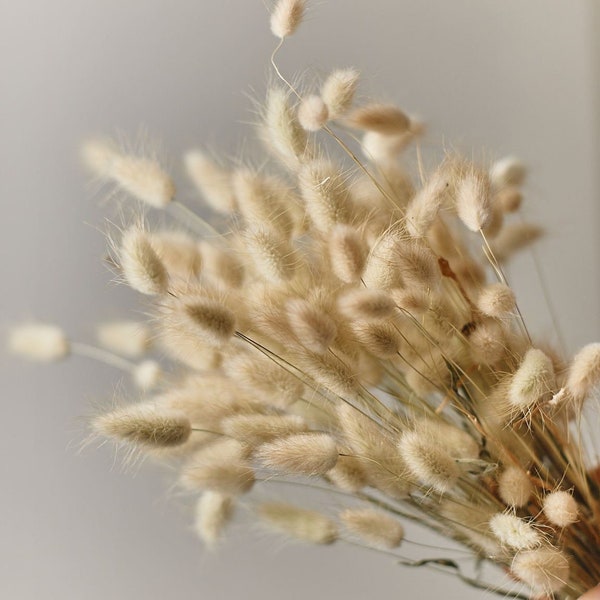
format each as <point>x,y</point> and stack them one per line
<point>336,327</point>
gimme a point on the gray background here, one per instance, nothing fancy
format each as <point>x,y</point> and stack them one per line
<point>490,77</point>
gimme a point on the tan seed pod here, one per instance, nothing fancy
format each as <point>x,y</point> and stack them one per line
<point>380,339</point>
<point>142,268</point>
<point>305,525</point>
<point>213,512</point>
<point>313,113</point>
<point>260,200</point>
<point>496,300</point>
<point>300,454</point>
<point>273,257</point>
<point>283,134</point>
<point>213,322</point>
<point>508,171</point>
<point>534,381</point>
<point>473,199</point>
<point>313,328</point>
<point>561,508</point>
<point>514,487</point>
<point>545,570</point>
<point>338,91</point>
<point>382,118</point>
<point>263,378</point>
<point>347,252</point>
<point>424,208</point>
<point>373,527</point>
<point>221,266</point>
<point>348,473</point>
<point>514,532</point>
<point>286,17</point>
<point>40,342</point>
<point>221,467</point>
<point>509,199</point>
<point>330,372</point>
<point>488,342</point>
<point>254,430</point>
<point>584,372</point>
<point>429,463</point>
<point>128,338</point>
<point>144,424</point>
<point>143,178</point>
<point>325,194</point>
<point>366,304</point>
<point>178,252</point>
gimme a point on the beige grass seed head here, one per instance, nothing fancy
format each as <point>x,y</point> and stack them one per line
<point>561,508</point>
<point>347,252</point>
<point>40,342</point>
<point>222,467</point>
<point>584,372</point>
<point>429,463</point>
<point>374,527</point>
<point>534,380</point>
<point>313,113</point>
<point>381,118</point>
<point>211,180</point>
<point>515,532</point>
<point>142,268</point>
<point>213,512</point>
<point>545,570</point>
<point>338,91</point>
<point>144,178</point>
<point>514,487</point>
<point>300,454</point>
<point>146,425</point>
<point>304,525</point>
<point>286,17</point>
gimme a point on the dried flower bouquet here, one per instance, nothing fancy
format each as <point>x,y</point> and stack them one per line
<point>343,327</point>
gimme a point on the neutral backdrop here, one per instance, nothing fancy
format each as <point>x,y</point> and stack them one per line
<point>490,77</point>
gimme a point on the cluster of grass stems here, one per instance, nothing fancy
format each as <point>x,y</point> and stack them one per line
<point>346,326</point>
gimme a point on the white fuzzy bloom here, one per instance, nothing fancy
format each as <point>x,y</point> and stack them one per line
<point>429,462</point>
<point>533,381</point>
<point>514,532</point>
<point>496,300</point>
<point>39,341</point>
<point>425,206</point>
<point>473,200</point>
<point>514,487</point>
<point>286,17</point>
<point>561,508</point>
<point>313,113</point>
<point>545,570</point>
<point>584,372</point>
